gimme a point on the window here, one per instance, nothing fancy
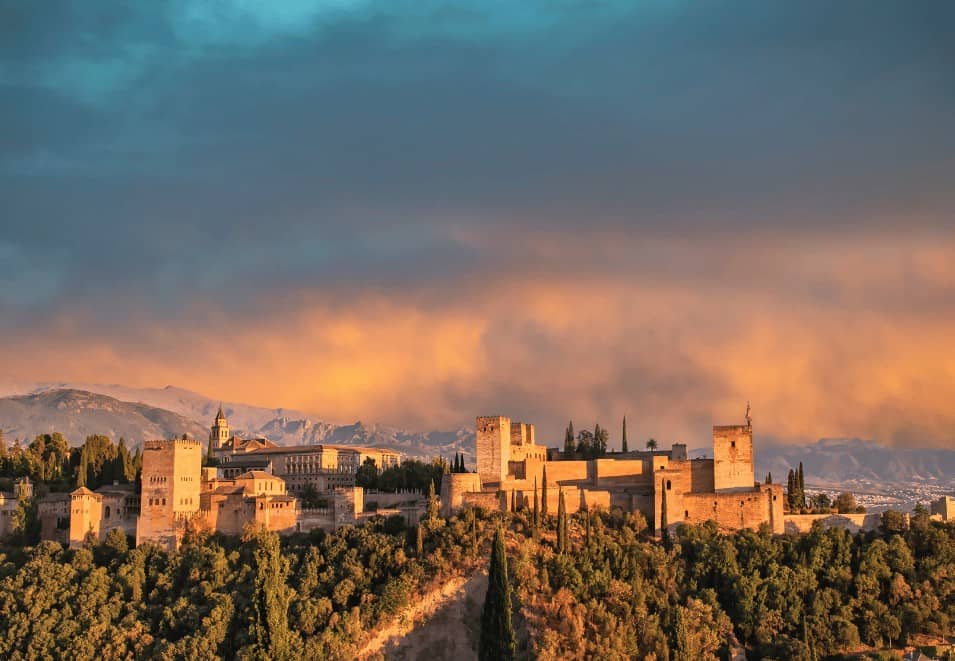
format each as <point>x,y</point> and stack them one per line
<point>686,514</point>
<point>732,444</point>
<point>668,485</point>
<point>106,513</point>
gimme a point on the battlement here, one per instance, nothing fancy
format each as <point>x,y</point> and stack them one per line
<point>166,444</point>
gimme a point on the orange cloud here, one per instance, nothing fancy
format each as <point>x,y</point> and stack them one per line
<point>845,339</point>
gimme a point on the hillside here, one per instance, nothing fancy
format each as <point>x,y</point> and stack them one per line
<point>841,461</point>
<point>77,414</point>
<point>77,410</point>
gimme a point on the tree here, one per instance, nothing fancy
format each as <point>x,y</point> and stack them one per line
<point>585,442</point>
<point>601,437</point>
<point>269,629</point>
<point>561,523</point>
<point>623,444</point>
<point>801,487</point>
<point>544,493</point>
<point>846,503</point>
<point>651,444</point>
<point>569,439</point>
<point>433,507</point>
<point>820,503</point>
<point>497,642</point>
<point>537,516</point>
<point>419,540</point>
<point>769,477</point>
<point>367,475</point>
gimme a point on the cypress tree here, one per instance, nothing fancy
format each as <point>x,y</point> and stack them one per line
<point>432,511</point>
<point>497,642</point>
<point>623,446</point>
<point>769,477</point>
<point>474,538</point>
<point>269,630</point>
<point>802,487</point>
<point>664,524</point>
<point>544,493</point>
<point>569,439</point>
<point>537,516</point>
<point>513,501</point>
<point>82,472</point>
<point>419,540</point>
<point>791,489</point>
<point>587,530</point>
<point>561,523</point>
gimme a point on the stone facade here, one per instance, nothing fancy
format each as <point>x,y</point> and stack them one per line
<point>944,508</point>
<point>324,467</point>
<point>171,481</point>
<point>665,485</point>
<point>92,514</point>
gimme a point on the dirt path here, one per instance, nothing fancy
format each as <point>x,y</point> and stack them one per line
<point>443,625</point>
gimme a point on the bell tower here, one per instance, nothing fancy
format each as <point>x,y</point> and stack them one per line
<point>220,430</point>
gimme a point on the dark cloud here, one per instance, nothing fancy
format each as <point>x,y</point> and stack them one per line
<point>190,161</point>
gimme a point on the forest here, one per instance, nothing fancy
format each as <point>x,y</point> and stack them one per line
<point>589,585</point>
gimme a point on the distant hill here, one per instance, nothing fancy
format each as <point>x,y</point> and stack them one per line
<point>79,409</point>
<point>839,461</point>
<point>77,414</point>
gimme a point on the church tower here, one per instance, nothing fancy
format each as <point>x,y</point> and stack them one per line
<point>220,430</point>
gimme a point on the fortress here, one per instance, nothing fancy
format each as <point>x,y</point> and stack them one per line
<point>664,485</point>
<point>250,486</point>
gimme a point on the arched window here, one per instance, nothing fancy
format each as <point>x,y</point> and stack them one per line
<point>106,512</point>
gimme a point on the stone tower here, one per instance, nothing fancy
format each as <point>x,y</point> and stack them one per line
<point>733,457</point>
<point>220,430</point>
<point>171,482</point>
<point>493,447</point>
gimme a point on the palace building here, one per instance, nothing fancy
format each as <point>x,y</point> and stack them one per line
<point>324,467</point>
<point>664,485</point>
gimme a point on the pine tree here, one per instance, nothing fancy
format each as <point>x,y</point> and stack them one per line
<point>561,523</point>
<point>497,642</point>
<point>569,439</point>
<point>623,446</point>
<point>269,630</point>
<point>544,494</point>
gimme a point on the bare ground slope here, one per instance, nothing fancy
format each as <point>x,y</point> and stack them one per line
<point>442,626</point>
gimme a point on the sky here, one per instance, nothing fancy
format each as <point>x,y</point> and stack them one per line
<point>417,212</point>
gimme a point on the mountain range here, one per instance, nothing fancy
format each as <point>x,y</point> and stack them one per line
<point>80,409</point>
<point>137,414</point>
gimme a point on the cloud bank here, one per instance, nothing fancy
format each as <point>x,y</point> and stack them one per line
<point>421,212</point>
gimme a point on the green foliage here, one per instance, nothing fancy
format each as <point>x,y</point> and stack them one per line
<point>367,475</point>
<point>561,524</point>
<point>411,474</point>
<point>310,596</point>
<point>269,630</point>
<point>569,447</point>
<point>497,642</point>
